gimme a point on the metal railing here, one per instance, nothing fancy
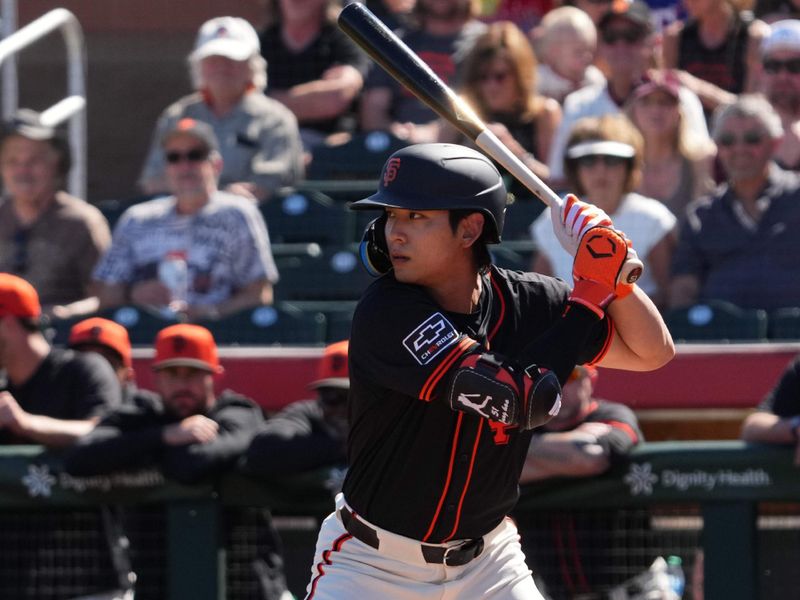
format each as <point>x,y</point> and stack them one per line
<point>72,107</point>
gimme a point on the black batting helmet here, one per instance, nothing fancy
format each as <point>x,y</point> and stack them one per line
<point>441,177</point>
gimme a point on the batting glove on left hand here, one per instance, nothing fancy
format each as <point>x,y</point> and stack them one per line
<point>574,219</point>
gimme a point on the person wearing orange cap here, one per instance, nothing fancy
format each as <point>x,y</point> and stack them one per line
<point>307,434</point>
<point>110,340</point>
<point>188,430</point>
<point>51,396</point>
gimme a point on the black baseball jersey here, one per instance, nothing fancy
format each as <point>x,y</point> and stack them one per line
<point>784,399</point>
<point>418,468</point>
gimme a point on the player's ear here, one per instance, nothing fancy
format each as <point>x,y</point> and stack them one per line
<point>471,228</point>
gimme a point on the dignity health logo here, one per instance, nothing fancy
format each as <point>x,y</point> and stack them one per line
<point>641,479</point>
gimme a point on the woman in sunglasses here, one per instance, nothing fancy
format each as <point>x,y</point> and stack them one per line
<point>603,165</point>
<point>499,82</point>
<point>678,164</point>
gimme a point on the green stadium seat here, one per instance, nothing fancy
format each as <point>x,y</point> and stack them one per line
<point>361,157</point>
<point>334,274</point>
<point>519,216</point>
<point>296,216</point>
<point>784,324</point>
<point>717,321</point>
<point>142,323</point>
<point>282,324</point>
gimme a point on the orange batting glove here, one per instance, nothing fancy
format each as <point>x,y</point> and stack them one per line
<point>596,271</point>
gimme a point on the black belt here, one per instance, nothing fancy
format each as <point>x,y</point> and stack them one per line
<point>453,556</point>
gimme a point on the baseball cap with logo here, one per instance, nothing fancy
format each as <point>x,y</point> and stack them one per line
<point>635,11</point>
<point>200,130</point>
<point>18,298</point>
<point>784,35</point>
<point>230,37</point>
<point>332,371</point>
<point>186,345</point>
<point>102,332</point>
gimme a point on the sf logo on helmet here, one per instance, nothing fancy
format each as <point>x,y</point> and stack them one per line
<point>600,246</point>
<point>392,167</point>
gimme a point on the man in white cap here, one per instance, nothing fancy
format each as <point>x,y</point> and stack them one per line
<point>780,60</point>
<point>258,137</point>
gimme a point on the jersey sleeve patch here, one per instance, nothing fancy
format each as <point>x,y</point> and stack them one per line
<point>430,338</point>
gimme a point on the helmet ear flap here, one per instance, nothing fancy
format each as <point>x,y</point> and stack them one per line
<point>373,250</point>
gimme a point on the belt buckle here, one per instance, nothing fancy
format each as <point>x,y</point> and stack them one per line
<point>475,545</point>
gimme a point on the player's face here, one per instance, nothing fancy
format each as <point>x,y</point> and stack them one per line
<point>422,245</point>
<point>29,169</point>
<point>744,148</point>
<point>186,391</point>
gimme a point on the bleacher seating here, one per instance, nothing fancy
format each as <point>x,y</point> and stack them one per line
<point>784,324</point>
<point>519,216</point>
<point>295,216</point>
<point>142,323</point>
<point>716,320</point>
<point>362,157</point>
<point>282,324</point>
<point>335,273</point>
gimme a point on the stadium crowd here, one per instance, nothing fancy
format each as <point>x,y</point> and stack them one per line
<point>685,129</point>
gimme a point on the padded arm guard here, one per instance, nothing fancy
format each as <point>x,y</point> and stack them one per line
<point>485,386</point>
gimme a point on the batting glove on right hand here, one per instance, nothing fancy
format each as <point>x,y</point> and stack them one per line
<point>596,271</point>
<point>574,219</point>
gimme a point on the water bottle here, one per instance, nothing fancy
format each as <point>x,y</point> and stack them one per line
<point>677,580</point>
<point>173,272</point>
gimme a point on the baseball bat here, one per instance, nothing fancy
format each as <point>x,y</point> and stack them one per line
<point>402,63</point>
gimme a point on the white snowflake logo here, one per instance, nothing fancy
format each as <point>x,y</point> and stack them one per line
<point>39,481</point>
<point>641,479</point>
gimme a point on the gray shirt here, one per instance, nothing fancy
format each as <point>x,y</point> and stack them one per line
<point>259,141</point>
<point>226,245</point>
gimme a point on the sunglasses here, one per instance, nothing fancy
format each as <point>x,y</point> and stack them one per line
<point>609,161</point>
<point>20,262</point>
<point>774,66</point>
<point>629,36</point>
<point>192,156</point>
<point>494,76</point>
<point>749,138</point>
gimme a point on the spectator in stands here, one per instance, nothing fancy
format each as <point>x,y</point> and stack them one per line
<point>738,244</point>
<point>307,434</point>
<point>771,11</point>
<point>716,50</point>
<point>596,9</point>
<point>314,68</point>
<point>566,43</point>
<point>525,14</point>
<point>393,13</point>
<point>110,340</point>
<point>48,237</point>
<point>780,59</point>
<point>188,431</point>
<point>603,163</point>
<point>220,238</point>
<point>51,397</point>
<point>777,418</point>
<point>677,167</point>
<point>259,139</point>
<point>586,437</point>
<point>499,81</point>
<point>628,47</point>
<point>442,34</point>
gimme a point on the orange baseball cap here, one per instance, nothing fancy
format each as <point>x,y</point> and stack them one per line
<point>333,368</point>
<point>102,332</point>
<point>18,298</point>
<point>186,345</point>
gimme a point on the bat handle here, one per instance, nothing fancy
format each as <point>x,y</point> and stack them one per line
<point>491,144</point>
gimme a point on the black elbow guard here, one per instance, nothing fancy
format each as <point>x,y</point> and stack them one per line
<point>482,385</point>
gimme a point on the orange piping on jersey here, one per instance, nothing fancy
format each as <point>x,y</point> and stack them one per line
<point>466,483</point>
<point>462,347</point>
<point>449,475</point>
<point>606,345</point>
<point>625,428</point>
<point>326,560</point>
<point>502,307</point>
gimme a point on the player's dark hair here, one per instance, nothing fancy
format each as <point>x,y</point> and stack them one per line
<point>480,251</point>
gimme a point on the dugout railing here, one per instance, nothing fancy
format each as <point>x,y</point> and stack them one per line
<point>736,502</point>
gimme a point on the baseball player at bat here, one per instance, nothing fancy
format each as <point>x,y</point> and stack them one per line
<point>453,361</point>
